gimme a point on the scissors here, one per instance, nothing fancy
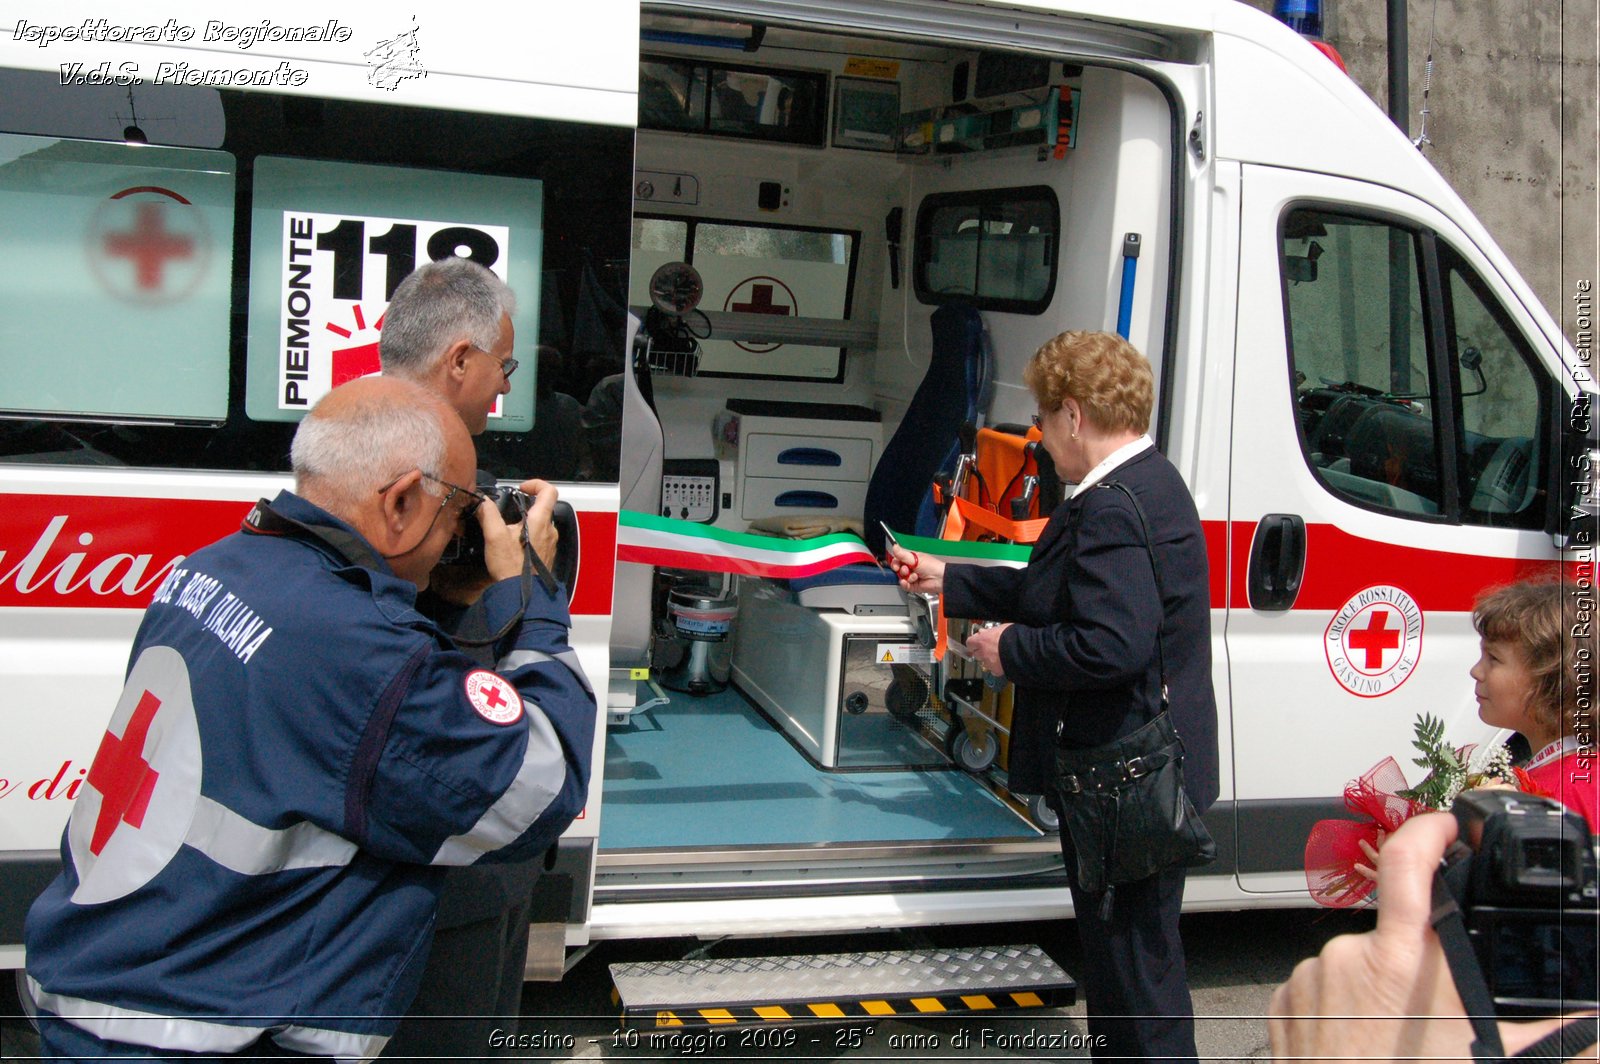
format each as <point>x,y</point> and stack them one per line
<point>915,558</point>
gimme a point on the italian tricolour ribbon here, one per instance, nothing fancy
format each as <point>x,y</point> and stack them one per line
<point>674,544</point>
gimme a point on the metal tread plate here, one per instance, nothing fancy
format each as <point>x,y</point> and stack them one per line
<point>935,978</point>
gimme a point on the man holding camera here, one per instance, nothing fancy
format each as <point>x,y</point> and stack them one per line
<point>253,865</point>
<point>449,329</point>
<point>1390,994</point>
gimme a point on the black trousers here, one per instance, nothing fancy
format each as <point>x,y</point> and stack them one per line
<point>472,985</point>
<point>1133,978</point>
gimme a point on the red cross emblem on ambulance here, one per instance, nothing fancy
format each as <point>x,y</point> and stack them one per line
<point>1374,641</point>
<point>140,794</point>
<point>148,244</point>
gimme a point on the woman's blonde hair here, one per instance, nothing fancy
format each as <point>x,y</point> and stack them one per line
<point>1555,637</point>
<point>1105,374</point>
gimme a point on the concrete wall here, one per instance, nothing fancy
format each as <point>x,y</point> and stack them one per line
<point>1512,122</point>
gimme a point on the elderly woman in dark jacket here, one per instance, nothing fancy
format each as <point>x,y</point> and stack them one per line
<point>1081,646</point>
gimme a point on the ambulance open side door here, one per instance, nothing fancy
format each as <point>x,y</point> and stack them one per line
<point>1393,443</point>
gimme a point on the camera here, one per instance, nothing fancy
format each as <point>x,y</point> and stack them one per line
<point>1523,875</point>
<point>467,548</point>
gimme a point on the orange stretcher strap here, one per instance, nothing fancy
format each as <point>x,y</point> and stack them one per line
<point>964,515</point>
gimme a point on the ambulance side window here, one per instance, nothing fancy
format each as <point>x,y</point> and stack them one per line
<point>994,249</point>
<point>1504,412</point>
<point>106,322</point>
<point>1415,397</point>
<point>180,304</point>
<point>750,268</point>
<point>1360,357</point>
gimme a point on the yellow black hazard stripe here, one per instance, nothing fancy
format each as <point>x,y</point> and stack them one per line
<point>865,1009</point>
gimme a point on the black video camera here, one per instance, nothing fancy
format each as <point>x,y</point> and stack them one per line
<point>1523,874</point>
<point>466,550</point>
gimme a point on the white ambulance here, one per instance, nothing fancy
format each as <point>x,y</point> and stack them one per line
<point>202,218</point>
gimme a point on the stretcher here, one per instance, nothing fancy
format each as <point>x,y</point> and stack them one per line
<point>997,493</point>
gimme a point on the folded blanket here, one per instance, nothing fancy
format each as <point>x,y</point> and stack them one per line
<point>804,526</point>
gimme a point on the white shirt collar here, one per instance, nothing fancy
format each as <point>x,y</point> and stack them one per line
<point>1117,457</point>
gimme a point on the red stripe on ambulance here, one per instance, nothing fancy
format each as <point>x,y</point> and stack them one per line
<point>78,551</point>
<point>1338,565</point>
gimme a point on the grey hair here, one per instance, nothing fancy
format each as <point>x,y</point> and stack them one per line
<point>440,303</point>
<point>339,460</point>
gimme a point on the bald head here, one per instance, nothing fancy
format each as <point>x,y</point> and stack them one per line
<point>363,434</point>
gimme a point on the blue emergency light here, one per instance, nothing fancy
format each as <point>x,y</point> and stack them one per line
<point>1302,16</point>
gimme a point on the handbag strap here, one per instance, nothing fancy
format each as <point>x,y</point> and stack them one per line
<point>1155,569</point>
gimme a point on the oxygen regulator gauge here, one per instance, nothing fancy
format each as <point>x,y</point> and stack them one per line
<point>676,288</point>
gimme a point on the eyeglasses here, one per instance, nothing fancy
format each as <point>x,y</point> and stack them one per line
<point>508,366</point>
<point>1038,422</point>
<point>478,498</point>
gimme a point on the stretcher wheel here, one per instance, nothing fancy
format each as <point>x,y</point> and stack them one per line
<point>1043,814</point>
<point>974,752</point>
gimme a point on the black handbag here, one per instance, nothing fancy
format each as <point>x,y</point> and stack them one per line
<point>1122,804</point>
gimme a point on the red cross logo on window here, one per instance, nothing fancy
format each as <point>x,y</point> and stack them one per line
<point>761,294</point>
<point>760,302</point>
<point>123,777</point>
<point>149,244</point>
<point>1375,638</point>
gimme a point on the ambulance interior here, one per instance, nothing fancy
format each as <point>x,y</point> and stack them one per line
<point>875,226</point>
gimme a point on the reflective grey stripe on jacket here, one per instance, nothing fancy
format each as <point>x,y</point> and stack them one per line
<point>250,849</point>
<point>518,658</point>
<point>520,804</point>
<point>529,795</point>
<point>200,1036</point>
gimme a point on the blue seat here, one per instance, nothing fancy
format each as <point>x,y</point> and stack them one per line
<point>952,394</point>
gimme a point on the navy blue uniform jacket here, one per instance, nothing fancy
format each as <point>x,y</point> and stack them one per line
<point>1082,648</point>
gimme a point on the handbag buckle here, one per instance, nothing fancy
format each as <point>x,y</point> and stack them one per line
<point>1071,785</point>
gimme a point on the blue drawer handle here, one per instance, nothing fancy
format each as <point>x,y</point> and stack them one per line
<point>812,500</point>
<point>813,456</point>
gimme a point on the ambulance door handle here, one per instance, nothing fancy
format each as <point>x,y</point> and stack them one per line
<point>1277,561</point>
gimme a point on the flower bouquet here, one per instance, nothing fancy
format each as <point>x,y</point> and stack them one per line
<point>1384,801</point>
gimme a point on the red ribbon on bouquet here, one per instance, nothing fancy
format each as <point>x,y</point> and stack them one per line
<point>1334,847</point>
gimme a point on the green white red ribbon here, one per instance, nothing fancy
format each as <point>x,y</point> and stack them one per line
<point>673,544</point>
<point>968,552</point>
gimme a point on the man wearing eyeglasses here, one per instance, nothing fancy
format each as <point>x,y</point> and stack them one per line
<point>253,864</point>
<point>448,328</point>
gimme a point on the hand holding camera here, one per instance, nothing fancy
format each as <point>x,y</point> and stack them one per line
<point>526,508</point>
<point>1389,993</point>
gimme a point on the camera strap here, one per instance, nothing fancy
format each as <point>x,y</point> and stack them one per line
<point>1566,1041</point>
<point>1464,969</point>
<point>531,564</point>
<point>265,521</point>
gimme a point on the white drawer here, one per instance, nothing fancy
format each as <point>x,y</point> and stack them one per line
<point>780,497</point>
<point>807,457</point>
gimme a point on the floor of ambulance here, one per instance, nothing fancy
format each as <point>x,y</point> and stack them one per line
<point>712,770</point>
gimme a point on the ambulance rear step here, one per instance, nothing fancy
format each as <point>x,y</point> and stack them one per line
<point>839,987</point>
